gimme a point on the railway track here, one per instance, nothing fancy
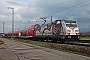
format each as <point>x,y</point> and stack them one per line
<point>85,43</point>
<point>79,44</point>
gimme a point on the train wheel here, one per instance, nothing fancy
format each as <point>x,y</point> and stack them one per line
<point>54,40</point>
<point>62,41</point>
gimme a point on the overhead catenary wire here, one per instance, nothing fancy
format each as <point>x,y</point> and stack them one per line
<point>59,4</point>
<point>79,14</point>
<point>62,9</point>
<point>55,6</point>
<point>70,7</point>
<point>73,6</point>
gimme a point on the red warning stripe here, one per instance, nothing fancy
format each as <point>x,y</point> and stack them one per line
<point>72,29</point>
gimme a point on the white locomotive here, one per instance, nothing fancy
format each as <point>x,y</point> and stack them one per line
<point>61,30</point>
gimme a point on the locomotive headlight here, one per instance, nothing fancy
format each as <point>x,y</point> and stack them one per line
<point>76,30</point>
<point>68,30</point>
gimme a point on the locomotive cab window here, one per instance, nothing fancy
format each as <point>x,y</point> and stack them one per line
<point>71,25</point>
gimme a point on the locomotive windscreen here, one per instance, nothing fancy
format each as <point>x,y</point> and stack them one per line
<point>71,25</point>
<point>69,21</point>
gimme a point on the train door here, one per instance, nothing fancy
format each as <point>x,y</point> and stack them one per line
<point>58,27</point>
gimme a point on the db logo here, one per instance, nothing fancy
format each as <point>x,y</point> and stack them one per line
<point>55,29</point>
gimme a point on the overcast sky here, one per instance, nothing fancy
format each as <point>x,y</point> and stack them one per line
<point>27,12</point>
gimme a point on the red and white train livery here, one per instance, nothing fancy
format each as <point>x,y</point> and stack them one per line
<point>61,30</point>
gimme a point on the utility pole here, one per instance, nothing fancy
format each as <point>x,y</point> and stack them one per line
<point>3,27</point>
<point>51,19</point>
<point>12,20</point>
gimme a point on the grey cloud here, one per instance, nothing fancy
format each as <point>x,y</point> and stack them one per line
<point>32,10</point>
